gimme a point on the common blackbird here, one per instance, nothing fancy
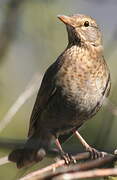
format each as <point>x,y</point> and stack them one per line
<point>72,91</point>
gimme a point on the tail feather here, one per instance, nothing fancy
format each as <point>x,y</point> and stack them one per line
<point>33,151</point>
<point>24,157</point>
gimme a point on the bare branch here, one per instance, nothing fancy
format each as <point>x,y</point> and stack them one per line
<point>53,167</point>
<point>4,160</point>
<point>51,172</point>
<point>79,156</point>
<point>29,91</point>
<point>88,174</point>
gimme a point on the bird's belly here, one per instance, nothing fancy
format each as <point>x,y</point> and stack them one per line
<point>83,105</point>
<point>65,111</point>
<point>85,95</point>
<point>73,103</point>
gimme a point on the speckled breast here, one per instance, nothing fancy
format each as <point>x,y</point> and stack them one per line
<point>85,79</point>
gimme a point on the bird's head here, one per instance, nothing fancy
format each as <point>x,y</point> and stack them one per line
<point>82,28</point>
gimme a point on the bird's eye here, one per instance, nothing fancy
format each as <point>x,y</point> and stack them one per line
<point>86,23</point>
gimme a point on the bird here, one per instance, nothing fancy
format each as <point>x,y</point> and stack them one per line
<point>72,91</point>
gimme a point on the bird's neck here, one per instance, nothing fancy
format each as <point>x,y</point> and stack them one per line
<point>87,46</point>
<point>73,41</point>
<point>94,48</point>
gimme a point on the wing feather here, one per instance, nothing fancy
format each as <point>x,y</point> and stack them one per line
<point>47,89</point>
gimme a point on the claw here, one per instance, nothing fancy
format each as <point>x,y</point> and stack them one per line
<point>68,158</point>
<point>73,160</point>
<point>95,154</point>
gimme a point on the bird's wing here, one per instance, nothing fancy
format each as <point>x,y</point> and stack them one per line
<point>47,89</point>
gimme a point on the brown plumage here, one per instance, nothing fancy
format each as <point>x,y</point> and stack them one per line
<point>72,91</point>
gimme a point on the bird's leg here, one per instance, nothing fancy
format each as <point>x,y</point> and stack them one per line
<point>94,153</point>
<point>67,157</point>
<point>64,155</point>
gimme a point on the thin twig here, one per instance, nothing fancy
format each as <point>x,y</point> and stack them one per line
<point>29,91</point>
<point>79,156</point>
<point>88,174</point>
<point>53,166</point>
<point>4,160</point>
<point>49,172</point>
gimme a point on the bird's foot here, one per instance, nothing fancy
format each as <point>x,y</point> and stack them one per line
<point>68,158</point>
<point>94,153</point>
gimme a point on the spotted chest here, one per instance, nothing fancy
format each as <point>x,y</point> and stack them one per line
<point>84,77</point>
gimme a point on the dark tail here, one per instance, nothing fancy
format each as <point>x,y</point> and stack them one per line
<point>34,150</point>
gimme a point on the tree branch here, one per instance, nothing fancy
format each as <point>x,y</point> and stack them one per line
<point>53,171</point>
<point>29,91</point>
<point>88,174</point>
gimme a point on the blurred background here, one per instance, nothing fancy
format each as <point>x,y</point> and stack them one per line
<point>31,38</point>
